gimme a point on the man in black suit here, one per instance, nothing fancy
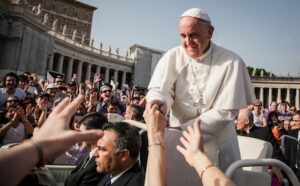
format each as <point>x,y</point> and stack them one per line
<point>117,156</point>
<point>245,127</point>
<point>85,173</point>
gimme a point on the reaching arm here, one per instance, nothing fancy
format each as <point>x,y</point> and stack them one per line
<point>193,152</point>
<point>52,139</point>
<point>156,123</point>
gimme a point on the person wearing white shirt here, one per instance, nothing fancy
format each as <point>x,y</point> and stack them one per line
<point>200,79</point>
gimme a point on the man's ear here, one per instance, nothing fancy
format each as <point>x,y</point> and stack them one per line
<point>246,121</point>
<point>125,155</point>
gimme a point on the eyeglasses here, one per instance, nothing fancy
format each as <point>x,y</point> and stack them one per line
<point>105,91</point>
<point>58,81</point>
<point>12,100</point>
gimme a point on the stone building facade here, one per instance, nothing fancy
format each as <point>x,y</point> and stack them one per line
<point>71,18</point>
<point>31,44</point>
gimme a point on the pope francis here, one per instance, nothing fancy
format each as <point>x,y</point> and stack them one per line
<point>201,79</point>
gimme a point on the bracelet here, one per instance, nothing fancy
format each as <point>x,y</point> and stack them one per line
<point>157,143</point>
<point>205,169</point>
<point>40,152</point>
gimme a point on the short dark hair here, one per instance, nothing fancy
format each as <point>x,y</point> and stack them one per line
<point>94,120</point>
<point>137,111</point>
<point>127,137</point>
<point>13,75</point>
<point>23,78</point>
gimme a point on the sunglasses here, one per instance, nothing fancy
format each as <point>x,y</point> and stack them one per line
<point>105,91</point>
<point>12,100</point>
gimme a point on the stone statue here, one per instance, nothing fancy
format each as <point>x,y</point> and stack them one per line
<point>39,9</point>
<point>64,30</point>
<point>92,43</point>
<point>34,9</point>
<point>83,38</point>
<point>101,45</point>
<point>74,34</point>
<point>54,25</point>
<point>253,72</point>
<point>109,49</point>
<point>262,73</point>
<point>126,54</point>
<point>117,51</point>
<point>46,18</point>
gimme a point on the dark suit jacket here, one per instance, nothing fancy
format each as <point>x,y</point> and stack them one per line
<point>291,149</point>
<point>84,176</point>
<point>265,133</point>
<point>135,176</point>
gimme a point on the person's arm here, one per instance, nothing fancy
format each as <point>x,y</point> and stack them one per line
<point>195,156</point>
<point>156,166</point>
<point>4,128</point>
<point>27,125</point>
<point>264,121</point>
<point>91,107</point>
<point>43,115</point>
<point>52,139</point>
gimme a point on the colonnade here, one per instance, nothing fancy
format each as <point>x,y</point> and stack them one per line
<point>268,94</point>
<point>84,70</point>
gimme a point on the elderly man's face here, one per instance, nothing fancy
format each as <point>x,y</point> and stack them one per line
<point>195,35</point>
<point>107,160</point>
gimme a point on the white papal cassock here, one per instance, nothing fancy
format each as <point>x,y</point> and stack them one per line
<point>222,78</point>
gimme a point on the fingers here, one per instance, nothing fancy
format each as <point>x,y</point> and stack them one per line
<point>68,108</point>
<point>60,107</point>
<point>180,149</point>
<point>187,136</point>
<point>184,142</point>
<point>90,135</point>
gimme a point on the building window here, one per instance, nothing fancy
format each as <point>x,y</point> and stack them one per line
<point>75,23</point>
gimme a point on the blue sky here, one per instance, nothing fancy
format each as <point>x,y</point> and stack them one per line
<point>265,33</point>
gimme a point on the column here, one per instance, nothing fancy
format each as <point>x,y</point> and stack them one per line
<point>50,64</point>
<point>98,69</point>
<point>106,78</point>
<point>88,71</point>
<point>69,70</point>
<point>123,78</point>
<point>279,95</point>
<point>79,71</point>
<point>288,97</point>
<point>297,99</point>
<point>270,96</point>
<point>261,95</point>
<point>115,75</point>
<point>60,63</point>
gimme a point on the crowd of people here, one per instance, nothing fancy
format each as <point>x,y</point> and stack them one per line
<point>113,150</point>
<point>198,87</point>
<point>26,102</point>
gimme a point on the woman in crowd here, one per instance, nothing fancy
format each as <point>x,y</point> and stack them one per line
<point>15,127</point>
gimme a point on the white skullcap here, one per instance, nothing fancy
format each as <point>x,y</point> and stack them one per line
<point>196,13</point>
